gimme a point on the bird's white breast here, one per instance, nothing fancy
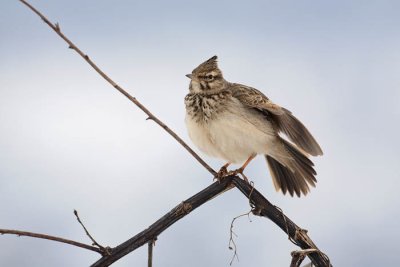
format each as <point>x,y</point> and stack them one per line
<point>234,135</point>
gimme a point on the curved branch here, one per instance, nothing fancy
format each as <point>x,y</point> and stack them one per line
<point>262,207</point>
<point>53,238</point>
<point>57,29</point>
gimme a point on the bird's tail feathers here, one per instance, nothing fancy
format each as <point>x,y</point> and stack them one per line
<point>294,172</point>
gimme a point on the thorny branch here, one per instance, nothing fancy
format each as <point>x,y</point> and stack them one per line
<point>57,29</point>
<point>262,207</point>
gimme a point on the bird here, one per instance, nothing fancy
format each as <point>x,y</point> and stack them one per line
<point>236,122</point>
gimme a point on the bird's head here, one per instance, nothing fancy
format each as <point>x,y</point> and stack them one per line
<point>206,77</point>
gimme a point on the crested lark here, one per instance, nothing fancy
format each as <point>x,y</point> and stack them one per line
<point>236,122</point>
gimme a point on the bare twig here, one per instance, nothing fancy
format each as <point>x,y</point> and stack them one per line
<point>151,244</point>
<point>106,250</point>
<point>232,234</point>
<point>50,237</point>
<point>71,45</point>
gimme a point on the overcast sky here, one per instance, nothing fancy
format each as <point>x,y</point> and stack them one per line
<point>68,140</point>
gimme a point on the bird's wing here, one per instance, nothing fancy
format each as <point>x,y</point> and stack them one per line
<point>284,121</point>
<point>253,98</point>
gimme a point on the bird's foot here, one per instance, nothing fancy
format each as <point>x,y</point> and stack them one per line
<point>239,171</point>
<point>221,173</point>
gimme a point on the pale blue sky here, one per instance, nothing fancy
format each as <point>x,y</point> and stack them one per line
<point>69,141</point>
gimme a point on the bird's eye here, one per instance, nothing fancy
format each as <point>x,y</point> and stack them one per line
<point>210,77</point>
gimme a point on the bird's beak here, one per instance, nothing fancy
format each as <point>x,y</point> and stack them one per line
<point>189,76</point>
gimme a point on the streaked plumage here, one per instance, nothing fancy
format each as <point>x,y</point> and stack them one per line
<point>235,122</point>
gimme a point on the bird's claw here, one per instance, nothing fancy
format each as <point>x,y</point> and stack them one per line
<point>221,174</point>
<point>239,171</point>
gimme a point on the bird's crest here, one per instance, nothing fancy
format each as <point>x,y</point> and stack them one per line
<point>207,66</point>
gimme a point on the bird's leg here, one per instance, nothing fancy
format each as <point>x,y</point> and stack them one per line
<point>241,169</point>
<point>222,172</point>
